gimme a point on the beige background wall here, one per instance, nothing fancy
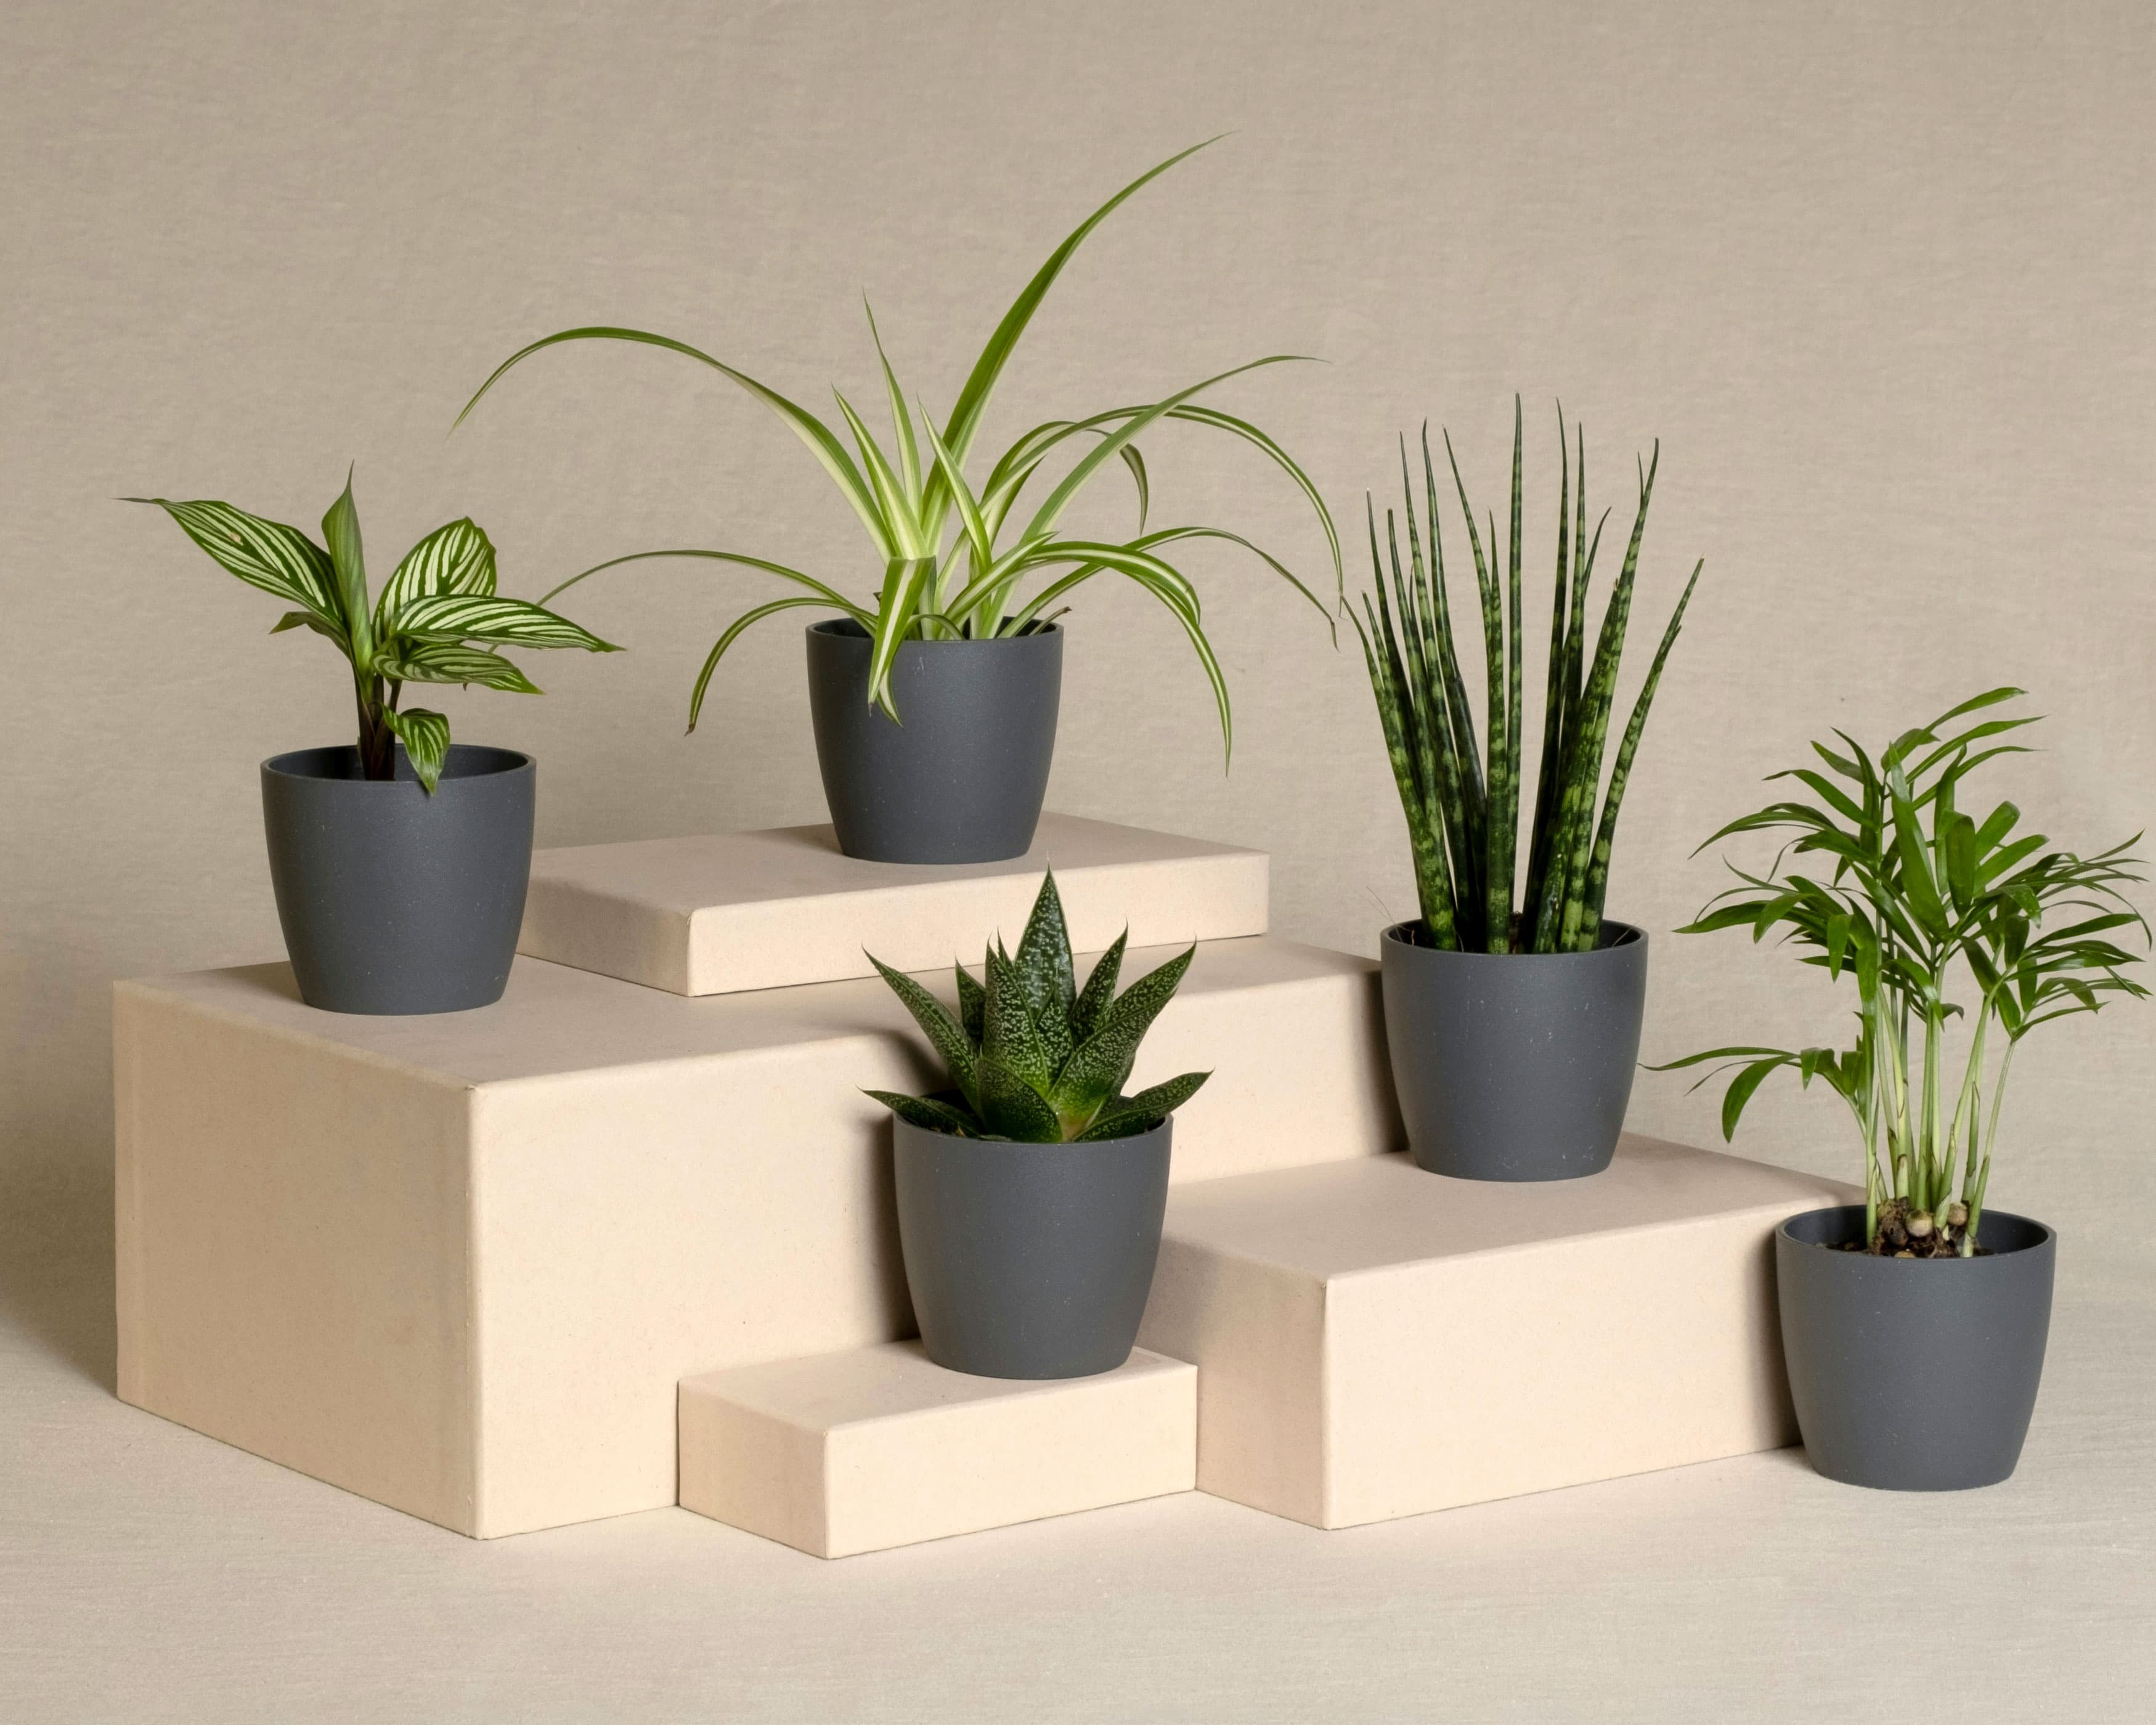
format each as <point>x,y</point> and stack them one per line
<point>1879,279</point>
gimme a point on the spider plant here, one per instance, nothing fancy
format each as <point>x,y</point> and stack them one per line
<point>1911,897</point>
<point>961,560</point>
<point>436,622</point>
<point>1462,808</point>
<point>1034,1059</point>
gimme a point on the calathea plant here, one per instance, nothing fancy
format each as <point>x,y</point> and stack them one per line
<point>436,621</point>
<point>1032,1058</point>
<point>941,582</point>
<point>1462,805</point>
<point>1886,880</point>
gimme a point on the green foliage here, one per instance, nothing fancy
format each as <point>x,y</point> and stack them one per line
<point>1888,881</point>
<point>437,618</point>
<point>1034,1059</point>
<point>950,571</point>
<point>1462,807</point>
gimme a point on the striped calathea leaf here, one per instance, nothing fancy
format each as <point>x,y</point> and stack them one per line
<point>437,618</point>
<point>1032,1057</point>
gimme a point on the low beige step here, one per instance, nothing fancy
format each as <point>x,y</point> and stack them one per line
<point>876,1447</point>
<point>1372,1341</point>
<point>718,913</point>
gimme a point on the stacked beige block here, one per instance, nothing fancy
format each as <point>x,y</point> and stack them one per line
<point>627,1237</point>
<point>1372,1341</point>
<point>459,1264</point>
<point>716,913</point>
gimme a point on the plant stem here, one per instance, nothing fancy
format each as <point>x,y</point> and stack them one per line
<point>377,743</point>
<point>1991,1131</point>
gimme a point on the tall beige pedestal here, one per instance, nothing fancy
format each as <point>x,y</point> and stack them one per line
<point>1372,1341</point>
<point>459,1263</point>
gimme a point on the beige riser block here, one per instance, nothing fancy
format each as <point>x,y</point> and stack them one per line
<point>716,913</point>
<point>459,1263</point>
<point>1374,1342</point>
<point>877,1447</point>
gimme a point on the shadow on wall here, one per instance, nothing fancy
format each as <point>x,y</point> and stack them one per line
<point>56,1261</point>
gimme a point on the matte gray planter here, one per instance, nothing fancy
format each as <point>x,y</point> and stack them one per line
<point>393,900</point>
<point>1514,1066</point>
<point>1914,1374</point>
<point>1029,1260</point>
<point>961,778</point>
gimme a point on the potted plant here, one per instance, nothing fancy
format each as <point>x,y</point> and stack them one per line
<point>1030,1190</point>
<point>1914,1324</point>
<point>399,863</point>
<point>934,699</point>
<point>1512,1005</point>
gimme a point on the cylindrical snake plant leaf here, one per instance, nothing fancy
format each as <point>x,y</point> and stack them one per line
<point>1598,869</point>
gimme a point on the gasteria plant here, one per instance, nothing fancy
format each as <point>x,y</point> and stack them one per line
<point>1463,809</point>
<point>907,498</point>
<point>423,630</point>
<point>1921,897</point>
<point>1032,1058</point>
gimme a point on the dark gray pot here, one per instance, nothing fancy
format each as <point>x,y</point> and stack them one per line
<point>393,900</point>
<point>960,779</point>
<point>1515,1067</point>
<point>1029,1260</point>
<point>1914,1374</point>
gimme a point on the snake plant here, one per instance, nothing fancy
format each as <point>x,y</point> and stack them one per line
<point>1032,1058</point>
<point>954,554</point>
<point>436,622</point>
<point>1886,880</point>
<point>1462,808</point>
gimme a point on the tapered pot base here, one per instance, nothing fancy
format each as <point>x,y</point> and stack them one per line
<point>1514,1066</point>
<point>393,900</point>
<point>1029,1260</point>
<point>1914,1374</point>
<point>960,776</point>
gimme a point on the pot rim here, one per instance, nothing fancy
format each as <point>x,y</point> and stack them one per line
<point>2049,1237</point>
<point>845,629</point>
<point>1000,1145</point>
<point>509,761</point>
<point>1633,935</point>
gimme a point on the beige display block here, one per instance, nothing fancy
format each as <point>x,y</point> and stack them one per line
<point>1372,1341</point>
<point>459,1263</point>
<point>876,1447</point>
<point>721,912</point>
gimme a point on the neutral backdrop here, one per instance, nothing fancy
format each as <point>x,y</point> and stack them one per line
<point>1877,278</point>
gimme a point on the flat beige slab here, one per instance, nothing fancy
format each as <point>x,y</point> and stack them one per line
<point>459,1263</point>
<point>875,1447</point>
<point>1372,1341</point>
<point>718,913</point>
